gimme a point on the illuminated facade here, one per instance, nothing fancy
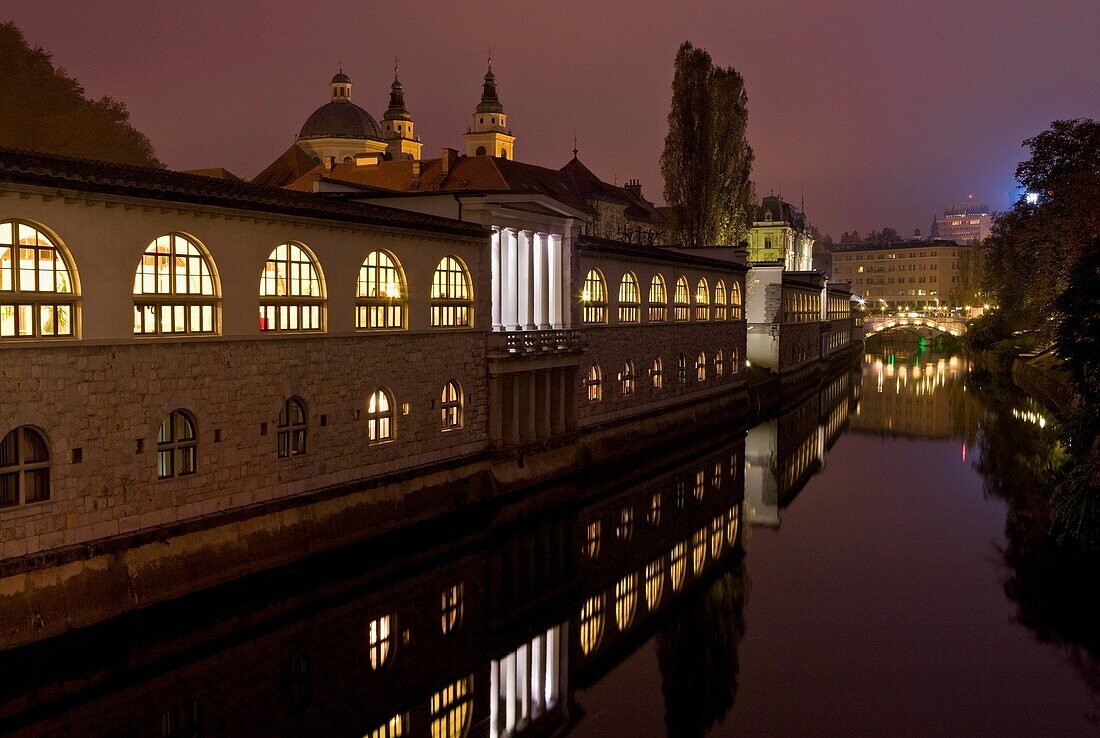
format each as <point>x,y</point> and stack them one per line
<point>963,222</point>
<point>924,273</point>
<point>780,233</point>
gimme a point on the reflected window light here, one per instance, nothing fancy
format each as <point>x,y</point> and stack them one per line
<point>396,727</point>
<point>592,540</point>
<point>591,624</point>
<point>699,550</point>
<point>654,583</point>
<point>626,598</point>
<point>379,641</point>
<point>733,519</point>
<point>717,536</point>
<point>451,608</point>
<point>451,708</point>
<point>678,565</point>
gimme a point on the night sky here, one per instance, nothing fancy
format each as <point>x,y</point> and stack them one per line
<point>879,112</point>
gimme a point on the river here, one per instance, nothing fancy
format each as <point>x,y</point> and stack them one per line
<point>871,561</point>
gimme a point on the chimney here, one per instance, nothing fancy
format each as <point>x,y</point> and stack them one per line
<point>366,159</point>
<point>447,160</point>
<point>634,186</point>
<point>330,162</point>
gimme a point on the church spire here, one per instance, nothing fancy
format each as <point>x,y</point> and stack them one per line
<point>397,124</point>
<point>397,110</point>
<point>490,135</point>
<point>490,103</point>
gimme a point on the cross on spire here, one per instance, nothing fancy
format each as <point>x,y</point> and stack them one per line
<point>574,144</point>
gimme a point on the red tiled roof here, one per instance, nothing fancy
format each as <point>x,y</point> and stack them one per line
<point>291,166</point>
<point>86,175</point>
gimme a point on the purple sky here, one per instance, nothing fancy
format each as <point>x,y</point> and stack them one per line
<point>880,112</point>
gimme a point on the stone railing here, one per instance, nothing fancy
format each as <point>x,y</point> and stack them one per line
<point>534,343</point>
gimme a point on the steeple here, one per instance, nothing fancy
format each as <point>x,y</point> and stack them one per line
<point>341,87</point>
<point>489,135</point>
<point>397,124</point>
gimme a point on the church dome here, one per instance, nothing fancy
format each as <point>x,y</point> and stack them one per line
<point>342,119</point>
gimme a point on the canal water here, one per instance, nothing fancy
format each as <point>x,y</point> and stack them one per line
<point>872,560</point>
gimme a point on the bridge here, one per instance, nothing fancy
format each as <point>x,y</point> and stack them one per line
<point>914,322</point>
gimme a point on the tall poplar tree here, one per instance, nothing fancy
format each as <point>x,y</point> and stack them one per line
<point>707,159</point>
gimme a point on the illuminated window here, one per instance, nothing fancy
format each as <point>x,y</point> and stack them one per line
<point>452,608</point>
<point>678,565</point>
<point>720,300</point>
<point>450,406</point>
<point>594,298</point>
<point>732,519</point>
<point>658,300</point>
<point>700,484</point>
<point>626,599</point>
<point>291,290</point>
<point>626,379</point>
<point>452,301</point>
<point>701,367</point>
<point>681,300</point>
<point>716,477</point>
<point>655,508</point>
<point>656,374</point>
<point>591,630</point>
<point>24,467</point>
<point>681,369</point>
<point>381,298</point>
<point>380,416</point>
<point>175,289</point>
<point>629,299</point>
<point>654,583</point>
<point>716,539</point>
<point>736,307</point>
<point>396,727</point>
<point>719,364</point>
<point>699,550</point>
<point>592,540</point>
<point>292,428</point>
<point>379,641</point>
<point>702,300</point>
<point>451,709</point>
<point>625,527</point>
<point>594,384</point>
<point>37,295</point>
<point>177,445</point>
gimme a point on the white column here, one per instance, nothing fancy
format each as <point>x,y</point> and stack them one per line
<point>526,281</point>
<point>553,243</point>
<point>509,692</point>
<point>510,316</point>
<point>495,289</point>
<point>543,281</point>
<point>494,700</point>
<point>522,685</point>
<point>538,677</point>
<point>552,664</point>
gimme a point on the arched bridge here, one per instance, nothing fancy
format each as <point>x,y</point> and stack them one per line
<point>914,322</point>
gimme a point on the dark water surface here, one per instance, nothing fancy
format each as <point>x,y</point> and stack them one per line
<point>872,561</point>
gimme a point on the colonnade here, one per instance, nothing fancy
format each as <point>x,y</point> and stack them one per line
<point>527,682</point>
<point>527,280</point>
<point>532,404</point>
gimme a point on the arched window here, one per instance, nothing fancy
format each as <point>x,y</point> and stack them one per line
<point>626,599</point>
<point>292,428</point>
<point>655,508</point>
<point>480,149</point>
<point>681,300</point>
<point>175,288</point>
<point>37,293</point>
<point>656,374</point>
<point>592,540</point>
<point>735,364</point>
<point>451,709</point>
<point>700,484</point>
<point>594,383</point>
<point>717,538</point>
<point>594,298</point>
<point>719,364</point>
<point>678,565</point>
<point>681,369</point>
<point>701,367</point>
<point>24,467</point>
<point>177,445</point>
<point>451,611</point>
<point>720,300</point>
<point>732,520</point>
<point>450,406</point>
<point>629,299</point>
<point>699,550</point>
<point>624,530</point>
<point>654,583</point>
<point>379,641</point>
<point>658,300</point>
<point>626,379</point>
<point>291,290</point>
<point>380,416</point>
<point>591,630</point>
<point>735,301</point>
<point>380,295</point>
<point>452,297</point>
<point>702,300</point>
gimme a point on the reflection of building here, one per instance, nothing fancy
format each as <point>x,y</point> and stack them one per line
<point>488,629</point>
<point>925,273</point>
<point>963,222</point>
<point>780,233</point>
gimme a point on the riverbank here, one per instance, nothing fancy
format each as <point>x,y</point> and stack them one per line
<point>1041,376</point>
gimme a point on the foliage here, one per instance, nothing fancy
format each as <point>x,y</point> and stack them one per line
<point>986,330</point>
<point>43,109</point>
<point>707,159</point>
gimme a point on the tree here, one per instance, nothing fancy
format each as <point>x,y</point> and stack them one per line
<point>707,159</point>
<point>43,109</point>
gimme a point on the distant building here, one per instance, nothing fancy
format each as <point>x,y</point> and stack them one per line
<point>916,273</point>
<point>780,232</point>
<point>963,222</point>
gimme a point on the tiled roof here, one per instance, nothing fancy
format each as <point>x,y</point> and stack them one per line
<point>85,175</point>
<point>588,185</point>
<point>593,244</point>
<point>291,166</point>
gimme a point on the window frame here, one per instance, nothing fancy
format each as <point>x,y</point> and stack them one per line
<point>292,434</point>
<point>681,301</point>
<point>702,300</point>
<point>451,406</point>
<point>14,473</point>
<point>157,309</point>
<point>658,303</point>
<point>33,305</point>
<point>381,423</point>
<point>285,310</point>
<point>594,298</point>
<point>182,453</point>
<point>451,297</point>
<point>393,308</point>
<point>593,383</point>
<point>630,299</point>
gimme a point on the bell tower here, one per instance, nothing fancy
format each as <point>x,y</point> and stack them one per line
<point>397,125</point>
<point>490,135</point>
